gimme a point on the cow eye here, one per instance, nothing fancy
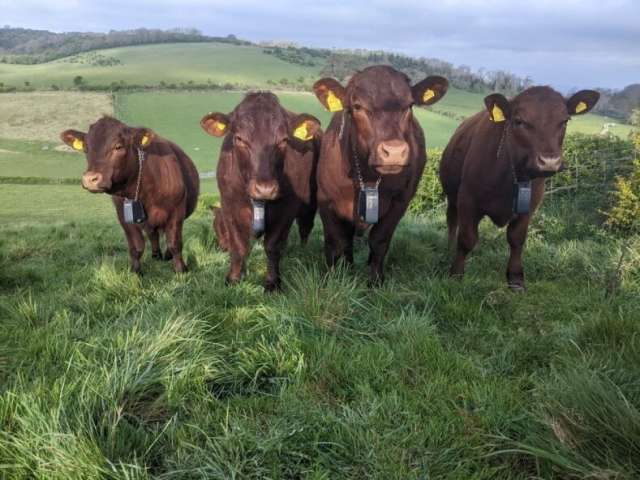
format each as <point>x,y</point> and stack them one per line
<point>239,141</point>
<point>119,146</point>
<point>518,122</point>
<point>357,107</point>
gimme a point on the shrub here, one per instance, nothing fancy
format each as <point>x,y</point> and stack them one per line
<point>624,214</point>
<point>429,194</point>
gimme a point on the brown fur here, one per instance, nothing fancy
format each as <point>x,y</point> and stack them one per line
<point>266,154</point>
<point>377,113</point>
<point>168,190</point>
<point>478,183</point>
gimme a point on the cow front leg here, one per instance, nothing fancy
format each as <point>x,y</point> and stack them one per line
<point>239,236</point>
<point>467,239</point>
<point>173,232</point>
<point>380,239</point>
<point>516,236</point>
<point>274,243</point>
<point>135,241</point>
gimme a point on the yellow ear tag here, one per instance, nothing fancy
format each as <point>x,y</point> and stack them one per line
<point>334,103</point>
<point>145,140</point>
<point>220,126</point>
<point>581,107</point>
<point>77,144</point>
<point>428,95</point>
<point>301,133</point>
<point>497,114</point>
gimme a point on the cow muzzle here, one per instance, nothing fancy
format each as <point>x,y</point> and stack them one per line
<point>391,156</point>
<point>263,190</point>
<point>549,163</point>
<point>95,182</point>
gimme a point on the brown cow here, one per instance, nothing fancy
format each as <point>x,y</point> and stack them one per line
<point>168,182</point>
<point>374,140</point>
<point>512,141</point>
<point>268,154</point>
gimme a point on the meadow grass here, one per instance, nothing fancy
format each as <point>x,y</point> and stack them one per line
<point>107,374</point>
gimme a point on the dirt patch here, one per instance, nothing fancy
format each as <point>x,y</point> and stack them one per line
<point>43,115</point>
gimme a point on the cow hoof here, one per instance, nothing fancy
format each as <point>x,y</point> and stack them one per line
<point>517,287</point>
<point>157,255</point>
<point>181,269</point>
<point>229,280</point>
<point>167,255</point>
<point>272,286</point>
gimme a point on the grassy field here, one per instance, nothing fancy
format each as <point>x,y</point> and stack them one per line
<point>172,63</point>
<point>105,374</point>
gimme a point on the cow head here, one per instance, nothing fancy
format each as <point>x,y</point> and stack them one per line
<point>111,150</point>
<point>379,101</point>
<point>537,121</point>
<point>260,132</point>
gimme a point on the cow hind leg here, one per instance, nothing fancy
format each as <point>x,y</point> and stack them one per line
<point>154,239</point>
<point>516,236</point>
<point>305,225</point>
<point>173,232</point>
<point>452,223</point>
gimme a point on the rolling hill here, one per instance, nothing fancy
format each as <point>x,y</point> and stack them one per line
<point>170,63</point>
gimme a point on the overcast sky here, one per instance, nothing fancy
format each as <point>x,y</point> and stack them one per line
<point>565,43</point>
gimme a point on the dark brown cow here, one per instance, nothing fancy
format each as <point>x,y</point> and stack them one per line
<point>377,134</point>
<point>518,140</point>
<point>168,182</point>
<point>268,154</point>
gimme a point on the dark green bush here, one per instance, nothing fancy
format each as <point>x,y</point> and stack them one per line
<point>429,194</point>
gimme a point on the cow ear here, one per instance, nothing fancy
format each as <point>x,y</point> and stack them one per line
<point>216,124</point>
<point>330,93</point>
<point>430,90</point>
<point>142,137</point>
<point>498,106</point>
<point>582,102</point>
<point>74,139</point>
<point>304,127</point>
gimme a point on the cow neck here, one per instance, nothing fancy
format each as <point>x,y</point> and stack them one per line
<point>129,183</point>
<point>503,147</point>
<point>351,153</point>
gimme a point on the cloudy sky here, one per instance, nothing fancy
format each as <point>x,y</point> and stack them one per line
<point>565,43</point>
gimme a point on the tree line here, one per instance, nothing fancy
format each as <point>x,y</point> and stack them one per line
<point>27,46</point>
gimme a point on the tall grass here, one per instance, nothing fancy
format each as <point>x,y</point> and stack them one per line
<point>104,374</point>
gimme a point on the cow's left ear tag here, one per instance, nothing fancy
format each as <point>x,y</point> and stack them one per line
<point>77,144</point>
<point>497,115</point>
<point>302,133</point>
<point>581,107</point>
<point>333,102</point>
<point>221,127</point>
<point>428,95</point>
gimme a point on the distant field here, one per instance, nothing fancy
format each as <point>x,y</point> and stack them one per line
<point>43,115</point>
<point>171,63</point>
<point>30,123</point>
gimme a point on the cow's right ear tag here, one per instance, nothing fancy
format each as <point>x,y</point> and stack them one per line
<point>77,144</point>
<point>497,115</point>
<point>333,102</point>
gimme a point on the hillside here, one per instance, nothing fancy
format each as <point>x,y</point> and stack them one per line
<point>28,46</point>
<point>240,66</point>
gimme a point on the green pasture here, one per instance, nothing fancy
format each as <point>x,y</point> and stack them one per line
<point>171,63</point>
